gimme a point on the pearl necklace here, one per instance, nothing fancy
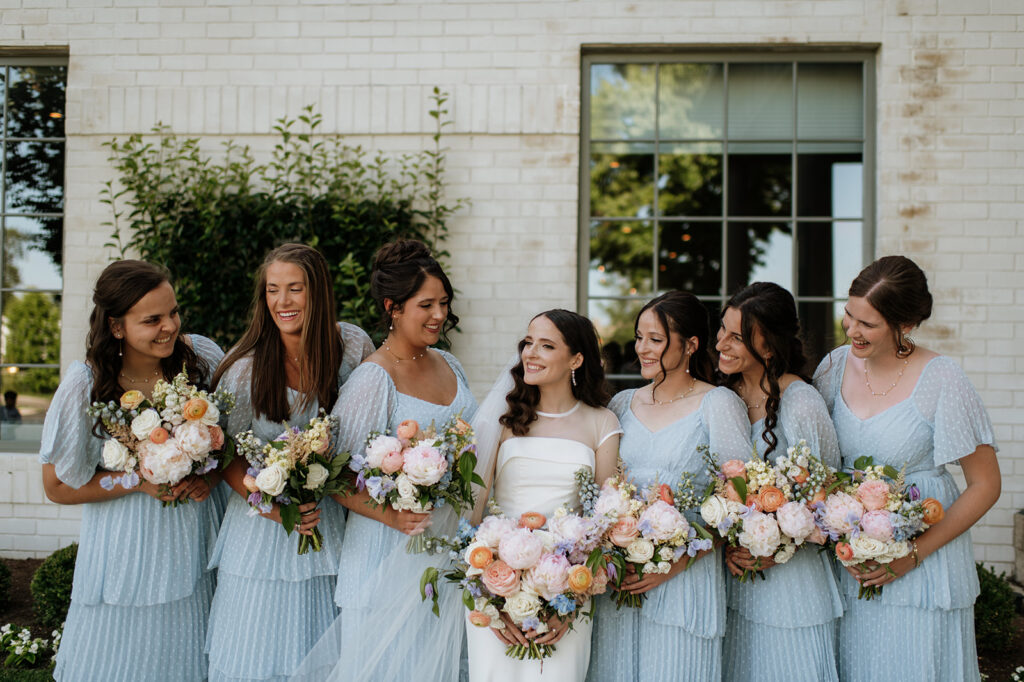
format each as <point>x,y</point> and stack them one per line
<point>879,394</point>
<point>693,385</point>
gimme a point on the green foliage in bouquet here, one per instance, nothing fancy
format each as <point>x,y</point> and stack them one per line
<point>212,222</point>
<point>994,612</point>
<point>51,586</point>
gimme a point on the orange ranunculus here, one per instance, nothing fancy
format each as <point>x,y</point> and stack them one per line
<point>407,429</point>
<point>801,477</point>
<point>481,557</point>
<point>818,497</point>
<point>159,435</point>
<point>844,551</point>
<point>194,409</point>
<point>580,579</point>
<point>532,520</point>
<point>771,498</point>
<point>665,493</point>
<point>933,512</point>
<point>131,399</point>
<point>479,619</point>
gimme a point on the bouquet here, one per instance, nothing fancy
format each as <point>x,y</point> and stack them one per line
<point>873,515</point>
<point>419,470</point>
<point>764,507</point>
<point>531,568</point>
<point>647,531</point>
<point>295,468</point>
<point>165,438</point>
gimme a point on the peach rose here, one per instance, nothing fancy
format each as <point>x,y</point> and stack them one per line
<point>933,512</point>
<point>532,520</point>
<point>250,483</point>
<point>479,619</point>
<point>131,399</point>
<point>771,498</point>
<point>216,437</point>
<point>481,557</point>
<point>665,493</point>
<point>731,494</point>
<point>501,579</point>
<point>844,551</point>
<point>801,476</point>
<point>873,494</point>
<point>407,429</point>
<point>624,531</point>
<point>392,462</point>
<point>194,409</point>
<point>580,579</point>
<point>734,468</point>
<point>159,435</point>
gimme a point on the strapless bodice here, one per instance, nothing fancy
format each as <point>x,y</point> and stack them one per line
<point>537,473</point>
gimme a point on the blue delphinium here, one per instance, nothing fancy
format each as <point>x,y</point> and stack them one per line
<point>563,605</point>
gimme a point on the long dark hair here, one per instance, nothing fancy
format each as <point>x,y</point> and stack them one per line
<point>119,287</point>
<point>682,312</point>
<point>399,270</point>
<point>581,337</point>
<point>771,310</point>
<point>898,289</point>
<point>321,345</point>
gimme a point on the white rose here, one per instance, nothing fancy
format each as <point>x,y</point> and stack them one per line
<point>894,550</point>
<point>522,605</point>
<point>666,554</point>
<point>795,520</point>
<point>380,446</point>
<point>115,455</point>
<point>194,440</point>
<point>664,567</point>
<point>785,553</point>
<point>760,534</point>
<point>491,611</point>
<point>316,476</point>
<point>272,479</point>
<point>714,511</point>
<point>144,424</point>
<point>865,548</point>
<point>163,463</point>
<point>405,487</point>
<point>212,415</point>
<point>640,551</point>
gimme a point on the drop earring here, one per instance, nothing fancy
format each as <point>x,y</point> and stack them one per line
<point>572,375</point>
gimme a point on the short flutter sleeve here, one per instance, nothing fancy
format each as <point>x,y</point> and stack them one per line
<point>828,377</point>
<point>607,426</point>
<point>238,380</point>
<point>367,402</point>
<point>68,443</point>
<point>358,346</point>
<point>727,423</point>
<point>803,416</point>
<point>209,352</point>
<point>947,399</point>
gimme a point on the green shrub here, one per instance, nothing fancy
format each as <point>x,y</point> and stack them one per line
<point>51,586</point>
<point>993,612</point>
<point>5,586</point>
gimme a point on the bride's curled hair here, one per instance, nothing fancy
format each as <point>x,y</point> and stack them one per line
<point>580,336</point>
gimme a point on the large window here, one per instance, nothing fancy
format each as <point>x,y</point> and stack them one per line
<point>32,223</point>
<point>705,173</point>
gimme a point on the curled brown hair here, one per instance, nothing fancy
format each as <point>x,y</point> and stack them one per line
<point>682,312</point>
<point>898,289</point>
<point>399,270</point>
<point>581,337</point>
<point>321,345</point>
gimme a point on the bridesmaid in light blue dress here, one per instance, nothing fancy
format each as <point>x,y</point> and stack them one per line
<point>272,604</point>
<point>796,607</point>
<point>141,593</point>
<point>404,379</point>
<point>677,634</point>
<point>907,406</point>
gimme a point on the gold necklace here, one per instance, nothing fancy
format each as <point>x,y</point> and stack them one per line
<point>879,394</point>
<point>398,359</point>
<point>693,385</point>
<point>144,380</point>
<point>753,407</point>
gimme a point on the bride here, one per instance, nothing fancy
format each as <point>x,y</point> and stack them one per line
<point>550,424</point>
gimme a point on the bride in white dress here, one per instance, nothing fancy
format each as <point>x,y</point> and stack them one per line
<point>550,424</point>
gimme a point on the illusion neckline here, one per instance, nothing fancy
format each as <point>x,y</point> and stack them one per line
<point>559,415</point>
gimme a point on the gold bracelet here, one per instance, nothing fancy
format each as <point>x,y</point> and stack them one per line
<point>917,558</point>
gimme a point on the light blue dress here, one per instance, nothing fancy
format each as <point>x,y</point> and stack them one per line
<point>141,594</point>
<point>795,607</point>
<point>677,634</point>
<point>924,619</point>
<point>272,604</point>
<point>371,402</point>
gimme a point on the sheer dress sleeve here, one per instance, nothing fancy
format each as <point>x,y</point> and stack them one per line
<point>805,417</point>
<point>67,442</point>
<point>728,426</point>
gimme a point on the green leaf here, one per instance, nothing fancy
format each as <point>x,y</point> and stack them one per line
<point>741,487</point>
<point>429,576</point>
<point>289,517</point>
<point>890,472</point>
<point>468,600</point>
<point>862,462</point>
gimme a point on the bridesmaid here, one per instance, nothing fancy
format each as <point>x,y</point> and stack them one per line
<point>908,406</point>
<point>404,379</point>
<point>141,594</point>
<point>272,604</point>
<point>677,634</point>
<point>762,359</point>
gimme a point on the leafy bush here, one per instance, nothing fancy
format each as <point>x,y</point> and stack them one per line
<point>5,586</point>
<point>993,611</point>
<point>212,223</point>
<point>51,586</point>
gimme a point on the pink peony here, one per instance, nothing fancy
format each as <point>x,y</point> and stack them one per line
<point>501,579</point>
<point>392,462</point>
<point>623,532</point>
<point>760,534</point>
<point>875,524</point>
<point>571,527</point>
<point>493,529</point>
<point>873,494</point>
<point>661,522</point>
<point>841,511</point>
<point>550,577</point>
<point>163,462</point>
<point>378,448</point>
<point>194,440</point>
<point>734,468</point>
<point>520,549</point>
<point>424,464</point>
<point>795,520</point>
<point>611,503</point>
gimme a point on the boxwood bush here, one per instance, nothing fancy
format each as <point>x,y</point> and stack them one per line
<point>51,586</point>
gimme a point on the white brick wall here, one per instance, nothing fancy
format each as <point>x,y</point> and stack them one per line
<point>950,94</point>
<point>30,525</point>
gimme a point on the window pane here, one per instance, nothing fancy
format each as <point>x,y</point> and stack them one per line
<point>621,101</point>
<point>622,180</point>
<point>830,101</point>
<point>31,329</point>
<point>35,101</point>
<point>32,252</point>
<point>614,319</point>
<point>822,329</point>
<point>35,177</point>
<point>691,101</point>
<point>690,257</point>
<point>760,101</point>
<point>830,182</point>
<point>690,180</point>
<point>829,257</point>
<point>760,181</point>
<point>760,252</point>
<point>621,258</point>
<point>3,94</point>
